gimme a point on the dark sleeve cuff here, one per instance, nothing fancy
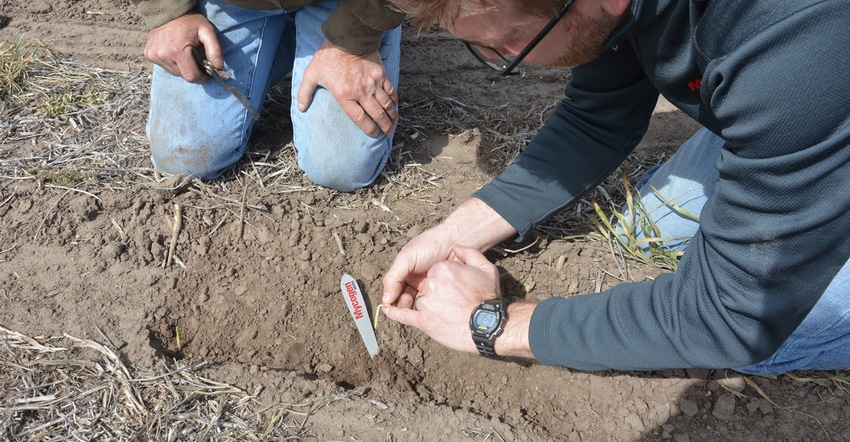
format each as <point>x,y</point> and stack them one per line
<point>356,26</point>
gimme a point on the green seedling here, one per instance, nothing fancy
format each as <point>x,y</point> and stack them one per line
<point>651,248</point>
<point>68,102</point>
<point>60,178</point>
<point>16,61</point>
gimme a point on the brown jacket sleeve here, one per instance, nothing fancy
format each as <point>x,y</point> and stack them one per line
<point>356,26</point>
<point>159,12</point>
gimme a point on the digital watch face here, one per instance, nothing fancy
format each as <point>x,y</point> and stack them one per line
<point>486,321</point>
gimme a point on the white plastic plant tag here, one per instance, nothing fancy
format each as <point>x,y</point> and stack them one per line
<point>357,306</point>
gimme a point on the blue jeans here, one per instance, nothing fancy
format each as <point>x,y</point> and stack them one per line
<point>822,340</point>
<point>203,129</point>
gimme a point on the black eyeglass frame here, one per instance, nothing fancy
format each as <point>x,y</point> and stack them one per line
<point>510,67</point>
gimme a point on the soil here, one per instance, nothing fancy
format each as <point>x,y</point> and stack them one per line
<point>257,295</point>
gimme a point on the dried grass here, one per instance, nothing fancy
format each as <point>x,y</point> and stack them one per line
<point>65,388</point>
<point>16,60</point>
<point>76,126</point>
<point>75,123</point>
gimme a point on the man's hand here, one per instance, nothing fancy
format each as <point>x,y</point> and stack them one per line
<point>447,296</point>
<point>405,277</point>
<point>445,269</point>
<point>359,84</point>
<point>474,224</point>
<point>170,46</point>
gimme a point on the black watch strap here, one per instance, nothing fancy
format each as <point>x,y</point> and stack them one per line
<point>485,331</point>
<point>486,347</point>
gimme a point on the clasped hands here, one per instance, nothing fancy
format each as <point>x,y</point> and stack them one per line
<point>451,279</point>
<point>446,291</point>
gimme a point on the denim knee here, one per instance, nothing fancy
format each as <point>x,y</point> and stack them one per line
<point>195,129</point>
<point>344,169</point>
<point>204,155</point>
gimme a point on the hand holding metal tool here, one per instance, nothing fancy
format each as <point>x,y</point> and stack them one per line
<point>220,76</point>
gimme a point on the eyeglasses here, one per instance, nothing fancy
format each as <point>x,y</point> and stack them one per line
<point>505,64</point>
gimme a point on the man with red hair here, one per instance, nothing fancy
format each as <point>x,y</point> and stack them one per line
<point>763,284</point>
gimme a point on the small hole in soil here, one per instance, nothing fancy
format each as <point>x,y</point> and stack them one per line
<point>345,385</point>
<point>164,346</point>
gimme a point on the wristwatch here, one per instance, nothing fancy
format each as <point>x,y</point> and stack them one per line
<point>486,323</point>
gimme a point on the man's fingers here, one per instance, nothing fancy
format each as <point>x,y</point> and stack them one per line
<point>305,92</point>
<point>405,301</point>
<point>474,258</point>
<point>359,116</point>
<point>388,104</point>
<point>471,257</point>
<point>404,315</point>
<point>392,291</point>
<point>390,90</point>
<point>362,118</point>
<point>386,96</point>
<point>395,280</point>
<point>187,67</point>
<point>212,48</point>
<point>407,297</point>
<point>381,116</point>
<point>395,288</point>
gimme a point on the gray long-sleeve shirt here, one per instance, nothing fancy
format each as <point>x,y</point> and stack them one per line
<point>768,76</point>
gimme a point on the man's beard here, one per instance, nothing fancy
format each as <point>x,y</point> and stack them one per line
<point>588,39</point>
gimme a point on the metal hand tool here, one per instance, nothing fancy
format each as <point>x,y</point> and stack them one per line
<point>220,76</point>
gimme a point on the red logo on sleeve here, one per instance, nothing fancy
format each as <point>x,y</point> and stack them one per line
<point>694,85</point>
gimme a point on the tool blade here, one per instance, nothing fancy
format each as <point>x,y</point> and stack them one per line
<point>235,92</point>
<point>221,77</point>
